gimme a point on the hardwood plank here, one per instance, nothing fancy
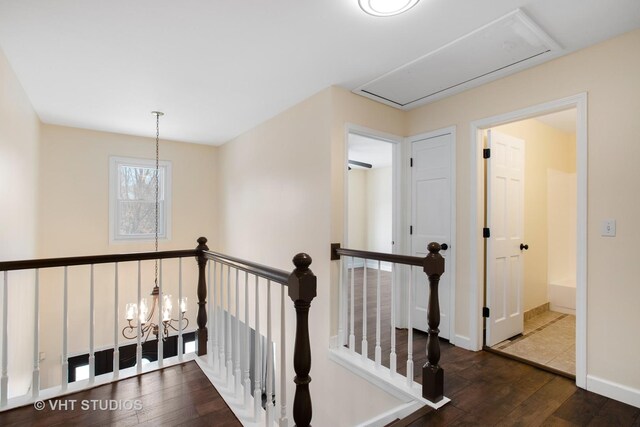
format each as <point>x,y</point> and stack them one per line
<point>172,396</point>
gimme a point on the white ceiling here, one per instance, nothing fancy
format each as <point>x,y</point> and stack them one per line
<point>220,67</point>
<point>564,121</point>
<point>377,153</point>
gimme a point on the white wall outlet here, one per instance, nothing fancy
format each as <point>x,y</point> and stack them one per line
<point>608,228</point>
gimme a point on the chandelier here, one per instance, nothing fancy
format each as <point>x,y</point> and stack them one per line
<point>140,312</point>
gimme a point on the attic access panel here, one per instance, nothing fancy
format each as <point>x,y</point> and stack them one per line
<point>505,45</point>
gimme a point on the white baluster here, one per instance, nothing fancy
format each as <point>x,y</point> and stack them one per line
<point>212,350</point>
<point>378,352</point>
<point>160,328</point>
<point>35,386</point>
<point>257,389</point>
<point>116,348</point>
<point>139,337</point>
<point>283,363</point>
<point>410,330</point>
<point>65,331</point>
<point>4,380</point>
<point>229,337</point>
<point>221,334</point>
<point>247,344</point>
<point>365,343</point>
<point>92,327</point>
<point>352,336</point>
<point>237,371</point>
<point>341,304</point>
<point>180,316</point>
<point>269,350</point>
<point>392,356</point>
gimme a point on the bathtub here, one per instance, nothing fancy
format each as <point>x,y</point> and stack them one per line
<point>562,296</point>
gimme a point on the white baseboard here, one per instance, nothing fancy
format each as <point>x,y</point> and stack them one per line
<point>462,342</point>
<point>380,376</point>
<point>622,393</point>
<point>399,412</point>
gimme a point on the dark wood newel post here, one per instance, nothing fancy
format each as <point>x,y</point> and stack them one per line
<point>202,296</point>
<point>302,290</point>
<point>432,373</point>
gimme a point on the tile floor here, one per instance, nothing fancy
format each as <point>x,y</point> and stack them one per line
<point>548,339</point>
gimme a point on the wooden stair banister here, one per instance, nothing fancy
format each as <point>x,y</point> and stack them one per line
<point>432,373</point>
<point>202,333</point>
<point>433,266</point>
<point>302,290</point>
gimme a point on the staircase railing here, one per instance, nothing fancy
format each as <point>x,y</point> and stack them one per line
<point>229,351</point>
<point>233,340</point>
<point>433,267</point>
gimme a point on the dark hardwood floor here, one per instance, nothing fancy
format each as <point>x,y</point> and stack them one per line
<point>485,389</point>
<point>176,396</point>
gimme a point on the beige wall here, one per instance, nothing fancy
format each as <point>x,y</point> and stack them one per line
<point>370,209</point>
<point>74,220</point>
<point>379,209</point>
<point>277,198</point>
<point>545,148</point>
<point>19,127</point>
<point>608,72</point>
<point>357,211</point>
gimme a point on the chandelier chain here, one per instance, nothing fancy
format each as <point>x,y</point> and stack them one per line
<point>157,187</point>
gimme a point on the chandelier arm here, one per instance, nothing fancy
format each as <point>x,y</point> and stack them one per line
<point>130,329</point>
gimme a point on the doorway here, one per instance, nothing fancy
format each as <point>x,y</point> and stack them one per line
<point>478,239</point>
<point>531,214</point>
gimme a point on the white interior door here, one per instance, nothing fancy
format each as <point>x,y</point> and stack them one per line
<point>431,192</point>
<point>505,217</point>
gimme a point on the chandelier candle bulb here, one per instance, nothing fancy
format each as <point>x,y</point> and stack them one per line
<point>144,311</point>
<point>183,305</point>
<point>132,311</point>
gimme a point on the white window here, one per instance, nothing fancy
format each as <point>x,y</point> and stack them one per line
<point>132,199</point>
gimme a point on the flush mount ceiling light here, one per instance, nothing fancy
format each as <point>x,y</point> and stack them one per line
<point>386,7</point>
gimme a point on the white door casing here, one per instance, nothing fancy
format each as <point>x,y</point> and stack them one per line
<point>505,220</point>
<point>431,211</point>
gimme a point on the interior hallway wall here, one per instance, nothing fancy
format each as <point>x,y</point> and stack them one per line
<point>19,153</point>
<point>607,72</point>
<point>546,148</point>
<point>278,186</point>
<point>74,220</point>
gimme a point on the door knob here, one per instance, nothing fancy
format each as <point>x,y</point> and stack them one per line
<point>444,246</point>
<point>523,246</point>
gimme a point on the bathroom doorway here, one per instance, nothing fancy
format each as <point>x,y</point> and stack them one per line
<point>531,217</point>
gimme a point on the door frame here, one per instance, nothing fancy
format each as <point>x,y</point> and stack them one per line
<point>396,218</point>
<point>579,102</point>
<point>451,265</point>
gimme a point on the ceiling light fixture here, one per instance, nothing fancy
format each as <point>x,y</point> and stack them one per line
<point>386,7</point>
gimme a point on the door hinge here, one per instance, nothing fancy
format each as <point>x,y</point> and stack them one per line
<point>485,312</point>
<point>411,229</point>
<point>411,162</point>
<point>486,153</point>
<point>486,233</point>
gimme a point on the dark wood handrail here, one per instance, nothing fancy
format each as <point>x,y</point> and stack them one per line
<point>269,273</point>
<point>337,252</point>
<point>93,259</point>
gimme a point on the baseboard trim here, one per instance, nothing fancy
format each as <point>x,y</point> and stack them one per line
<point>381,377</point>
<point>462,342</point>
<point>613,390</point>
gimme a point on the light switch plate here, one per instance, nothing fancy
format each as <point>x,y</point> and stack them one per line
<point>608,228</point>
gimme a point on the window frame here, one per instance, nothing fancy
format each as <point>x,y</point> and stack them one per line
<point>165,206</point>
